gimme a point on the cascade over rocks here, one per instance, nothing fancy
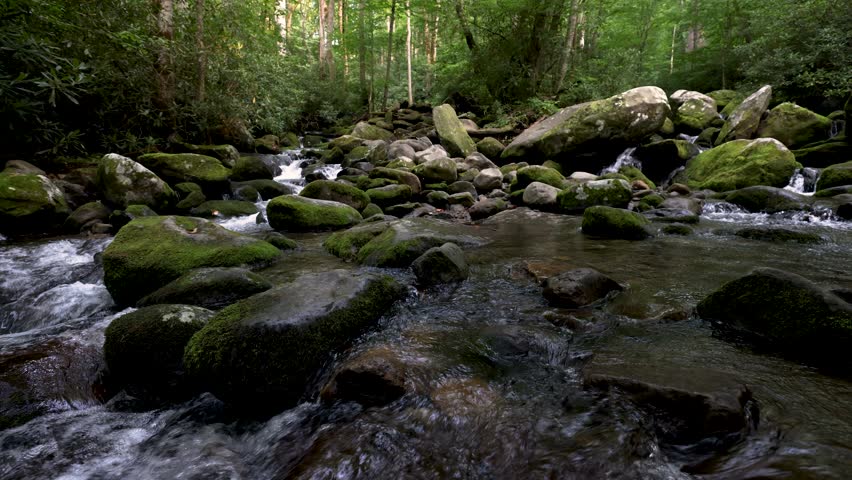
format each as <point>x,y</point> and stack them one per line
<point>603,124</point>
<point>262,352</point>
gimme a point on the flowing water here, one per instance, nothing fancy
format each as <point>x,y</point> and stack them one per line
<point>495,375</point>
<point>625,159</point>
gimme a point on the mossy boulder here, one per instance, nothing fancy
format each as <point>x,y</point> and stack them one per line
<point>403,241</point>
<point>346,244</point>
<point>786,311</point>
<point>633,174</point>
<point>611,222</point>
<point>695,113</point>
<point>742,163</point>
<point>835,176</point>
<point>86,215</point>
<point>768,199</point>
<point>437,170</point>
<point>491,148</point>
<point>725,97</point>
<point>794,126</point>
<point>266,188</point>
<point>262,352</point>
<point>207,172</point>
<point>537,173</point>
<point>251,168</point>
<point>389,195</point>
<point>280,241</point>
<point>336,192</point>
<point>650,202</point>
<point>150,252</point>
<point>123,182</point>
<point>745,119</point>
<point>444,264</point>
<point>399,176</point>
<point>144,349</point>
<point>120,218</point>
<point>224,209</point>
<point>346,143</point>
<point>211,288</point>
<point>227,154</point>
<point>269,144</point>
<point>622,119</point>
<point>824,154</point>
<point>452,132</point>
<point>365,131</point>
<point>300,214</point>
<point>610,193</point>
<point>30,203</point>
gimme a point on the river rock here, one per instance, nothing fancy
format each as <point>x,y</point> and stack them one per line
<point>86,216</point>
<point>444,264</point>
<point>403,241</point>
<point>452,132</point>
<point>794,126</point>
<point>346,244</point>
<point>365,131</point>
<point>123,182</point>
<point>608,222</point>
<point>269,144</point>
<point>262,352</point>
<point>537,173</point>
<point>578,288</point>
<point>487,207</point>
<point>266,188</point>
<point>695,111</point>
<point>399,176</point>
<point>767,234</point>
<point>611,193</point>
<point>251,168</point>
<point>300,214</point>
<point>144,349</point>
<point>434,152</point>
<point>478,161</point>
<point>671,215</point>
<point>621,119</point>
<point>692,205</point>
<point>768,200</point>
<point>824,154</point>
<point>742,163</point>
<point>150,252</point>
<point>389,195</point>
<point>745,119</point>
<point>835,176</point>
<point>207,172</point>
<point>787,311</point>
<point>488,179</point>
<point>372,378</point>
<point>399,149</point>
<point>346,143</point>
<point>30,203</point>
<point>437,170</point>
<point>120,218</point>
<point>541,196</point>
<point>211,288</point>
<point>660,159</point>
<point>336,192</point>
<point>490,147</point>
<point>227,154</point>
<point>224,209</point>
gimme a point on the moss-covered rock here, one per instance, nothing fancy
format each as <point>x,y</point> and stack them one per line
<point>262,352</point>
<point>444,264</point>
<point>742,163</point>
<point>677,229</point>
<point>768,199</point>
<point>227,154</point>
<point>778,235</point>
<point>695,113</point>
<point>487,207</point>
<point>251,168</point>
<point>207,172</point>
<point>211,288</point>
<point>835,176</point>
<point>150,252</point>
<point>611,222</point>
<point>336,192</point>
<point>537,173</point>
<point>633,174</point>
<point>85,215</point>
<point>300,214</point>
<point>120,218</point>
<point>785,310</point>
<point>438,198</point>
<point>745,119</point>
<point>280,241</point>
<point>437,170</point>
<point>725,97</point>
<point>389,195</point>
<point>269,144</point>
<point>611,193</point>
<point>452,133</point>
<point>371,210</point>
<point>399,176</point>
<point>346,143</point>
<point>123,182</point>
<point>266,188</point>
<point>144,349</point>
<point>465,199</point>
<point>405,240</point>
<point>30,203</point>
<point>623,118</point>
<point>224,209</point>
<point>365,131</point>
<point>650,202</point>
<point>288,140</point>
<point>794,126</point>
<point>824,154</point>
<point>491,148</point>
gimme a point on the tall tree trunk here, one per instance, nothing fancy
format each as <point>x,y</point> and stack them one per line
<point>362,54</point>
<point>202,53</point>
<point>468,34</point>
<point>568,48</point>
<point>341,21</point>
<point>408,50</point>
<point>322,44</point>
<point>292,6</point>
<point>326,33</point>
<point>165,70</point>
<point>390,51</point>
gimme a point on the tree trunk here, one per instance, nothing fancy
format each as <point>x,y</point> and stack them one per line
<point>408,50</point>
<point>362,54</point>
<point>390,51</point>
<point>468,34</point>
<point>165,72</point>
<point>288,24</point>
<point>202,54</point>
<point>326,33</point>
<point>568,48</point>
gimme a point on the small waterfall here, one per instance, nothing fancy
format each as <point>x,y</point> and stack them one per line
<point>626,159</point>
<point>688,138</point>
<point>803,181</point>
<point>837,126</point>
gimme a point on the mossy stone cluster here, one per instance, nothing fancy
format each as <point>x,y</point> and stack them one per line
<point>742,163</point>
<point>300,214</point>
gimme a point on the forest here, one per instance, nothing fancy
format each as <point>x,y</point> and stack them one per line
<point>85,76</point>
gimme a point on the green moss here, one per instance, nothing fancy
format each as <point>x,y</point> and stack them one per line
<point>346,143</point>
<point>650,202</point>
<point>250,168</point>
<point>740,164</point>
<point>224,208</point>
<point>357,154</point>
<point>452,133</point>
<point>437,170</point>
<point>437,186</point>
<point>725,97</point>
<point>633,173</point>
<point>347,243</point>
<point>491,148</point>
<point>695,115</point>
<point>390,195</point>
<point>835,176</point>
<point>336,192</point>
<point>824,154</point>
<point>537,173</point>
<point>370,210</point>
<point>366,183</point>
<point>30,202</point>
<point>207,172</point>
<point>553,165</point>
<point>300,214</point>
<point>744,121</point>
<point>614,223</point>
<point>794,126</point>
<point>365,131</point>
<point>398,176</point>
<point>226,154</point>
<point>613,193</point>
<point>677,229</point>
<point>289,140</point>
<point>280,241</point>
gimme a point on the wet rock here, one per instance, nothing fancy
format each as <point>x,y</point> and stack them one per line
<point>677,229</point>
<point>438,198</point>
<point>611,222</point>
<point>400,176</point>
<point>226,154</point>
<point>347,243</point>
<point>300,214</point>
<point>211,288</point>
<point>844,210</point>
<point>794,126</point>
<point>444,264</point>
<point>487,207</point>
<point>462,187</point>
<point>742,163</point>
<point>251,168</point>
<point>403,241</point>
<point>452,132</point>
<point>30,203</point>
<point>389,195</point>
<point>150,252</point>
<point>224,209</point>
<point>786,311</point>
<point>464,199</point>
<point>671,215</point>
<point>266,188</point>
<point>693,205</point>
<point>768,200</point>
<point>835,176</point>
<point>280,241</point>
<point>541,196</point>
<point>365,131</point>
<point>207,172</point>
<point>120,218</point>
<point>123,182</point>
<point>745,119</point>
<point>824,154</point>
<point>537,173</point>
<point>437,170</point>
<point>375,377</point>
<point>346,143</point>
<point>404,209</point>
<point>579,288</point>
<point>610,193</point>
<point>462,397</point>
<point>488,179</point>
<point>144,349</point>
<point>270,144</point>
<point>336,192</point>
<point>263,351</point>
<point>84,217</point>
<point>767,234</point>
<point>679,188</point>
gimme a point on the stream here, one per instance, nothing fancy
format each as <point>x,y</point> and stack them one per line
<point>496,373</point>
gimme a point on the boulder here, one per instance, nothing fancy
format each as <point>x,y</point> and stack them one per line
<point>365,131</point>
<point>444,264</point>
<point>478,161</point>
<point>389,195</point>
<point>452,132</point>
<point>786,311</point>
<point>487,207</point>
<point>611,222</point>
<point>346,244</point>
<point>437,170</point>
<point>87,215</point>
<point>695,112</point>
<point>835,176</point>
<point>300,214</point>
<point>768,200</point>
<point>336,192</point>
<point>622,119</point>
<point>461,187</point>
<point>745,119</point>
<point>211,288</point>
<point>578,288</point>
<point>824,154</point>
<point>226,154</point>
<point>403,241</point>
<point>725,97</point>
<point>251,168</point>
<point>144,349</point>
<point>150,252</point>
<point>262,352</point>
<point>280,241</point>
<point>537,173</point>
<point>30,203</point>
<point>541,196</point>
<point>120,218</point>
<point>345,143</point>
<point>224,209</point>
<point>123,182</point>
<point>399,176</point>
<point>612,193</point>
<point>488,179</point>
<point>742,163</point>
<point>490,147</point>
<point>434,152</point>
<point>373,378</point>
<point>794,126</point>
<point>207,172</point>
<point>269,144</point>
<point>465,199</point>
<point>400,148</point>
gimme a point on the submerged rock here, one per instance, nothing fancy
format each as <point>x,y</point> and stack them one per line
<point>778,235</point>
<point>372,378</point>
<point>300,214</point>
<point>444,264</point>
<point>578,288</point>
<point>262,352</point>
<point>742,163</point>
<point>211,288</point>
